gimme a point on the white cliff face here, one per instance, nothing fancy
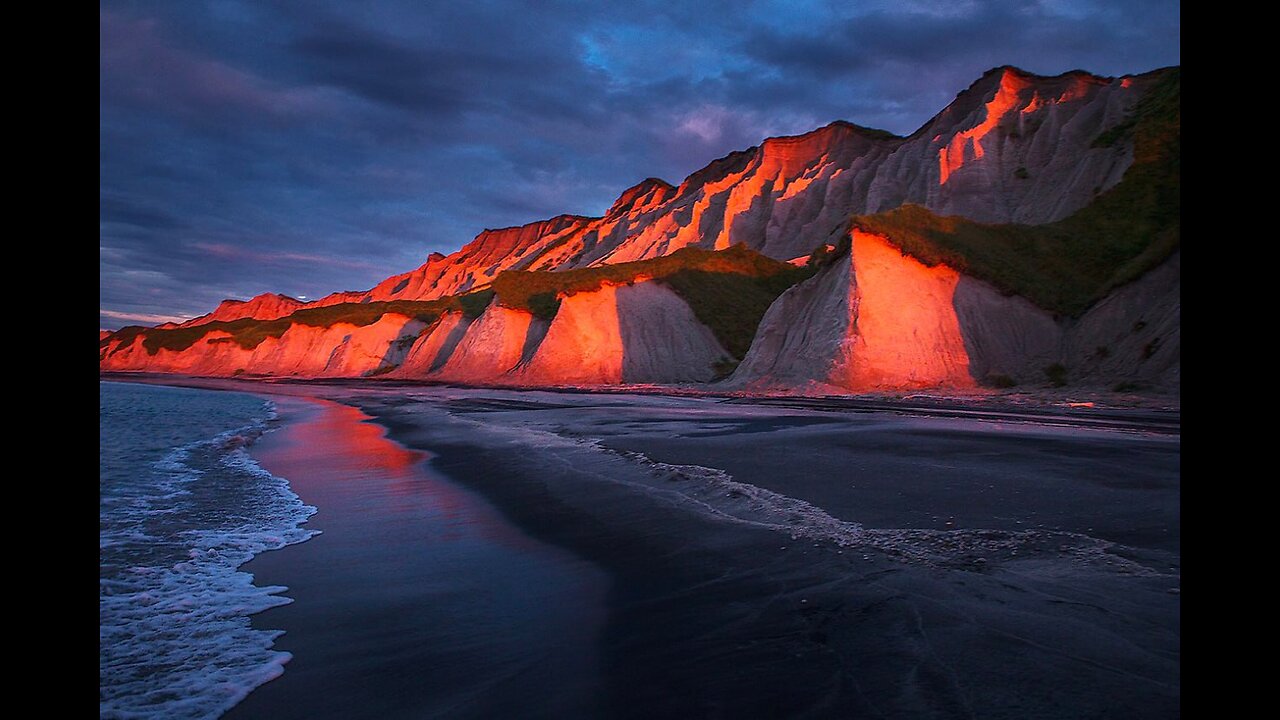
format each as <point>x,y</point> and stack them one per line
<point>1006,336</point>
<point>584,343</point>
<point>875,319</point>
<point>662,340</point>
<point>640,332</point>
<point>1013,148</point>
<point>433,348</point>
<point>802,335</point>
<point>905,330</point>
<point>491,346</point>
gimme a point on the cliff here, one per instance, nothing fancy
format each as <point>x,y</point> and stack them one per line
<point>790,194</point>
<point>879,319</point>
<point>1027,234</point>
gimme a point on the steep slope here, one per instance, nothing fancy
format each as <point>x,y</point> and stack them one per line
<point>873,319</point>
<point>1091,298</point>
<point>879,319</point>
<point>1013,147</point>
<point>663,320</point>
<point>1132,338</point>
<point>353,338</point>
<point>634,333</point>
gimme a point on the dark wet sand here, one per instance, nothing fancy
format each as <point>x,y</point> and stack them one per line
<point>715,619</point>
<point>1018,565</point>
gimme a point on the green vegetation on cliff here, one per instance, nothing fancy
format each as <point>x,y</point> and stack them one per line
<point>249,333</point>
<point>1068,265</point>
<point>728,290</point>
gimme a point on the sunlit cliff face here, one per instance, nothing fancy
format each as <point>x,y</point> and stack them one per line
<point>1015,96</point>
<point>788,194</point>
<point>903,326</point>
<point>967,144</point>
<point>1012,148</point>
<point>267,306</point>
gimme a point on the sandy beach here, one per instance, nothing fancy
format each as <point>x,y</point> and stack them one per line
<point>711,557</point>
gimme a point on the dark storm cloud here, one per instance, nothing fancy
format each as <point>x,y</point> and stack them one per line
<point>306,147</point>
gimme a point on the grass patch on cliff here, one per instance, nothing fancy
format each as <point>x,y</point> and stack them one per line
<point>249,333</point>
<point>125,335</point>
<point>1068,265</point>
<point>731,304</point>
<point>728,290</point>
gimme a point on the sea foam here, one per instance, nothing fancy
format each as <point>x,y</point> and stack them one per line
<point>175,636</point>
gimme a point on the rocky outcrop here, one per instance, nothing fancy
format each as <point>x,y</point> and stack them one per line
<point>877,319</point>
<point>640,332</point>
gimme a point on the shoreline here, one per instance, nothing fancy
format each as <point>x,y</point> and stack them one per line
<point>1155,413</point>
<point>926,614</point>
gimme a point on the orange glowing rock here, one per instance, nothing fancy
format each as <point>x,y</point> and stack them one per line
<point>873,319</point>
<point>584,343</point>
<point>904,331</point>
<point>492,345</point>
<point>1078,89</point>
<point>953,156</point>
<point>267,306</point>
<point>638,332</point>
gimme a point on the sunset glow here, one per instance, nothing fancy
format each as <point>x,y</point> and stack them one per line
<point>744,359</point>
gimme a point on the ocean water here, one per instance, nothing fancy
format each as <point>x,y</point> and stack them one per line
<point>182,507</point>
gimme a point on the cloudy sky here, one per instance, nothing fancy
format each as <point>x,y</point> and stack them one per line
<point>306,147</point>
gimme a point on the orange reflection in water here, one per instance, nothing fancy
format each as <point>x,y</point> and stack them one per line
<point>340,432</point>
<point>334,456</point>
